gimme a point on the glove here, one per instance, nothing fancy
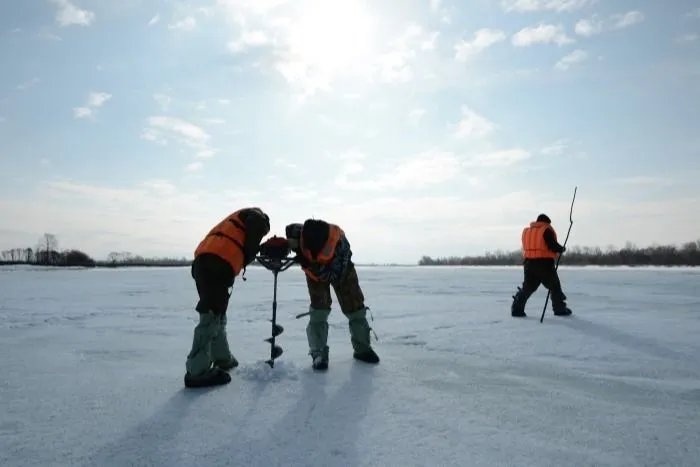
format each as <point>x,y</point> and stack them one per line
<point>563,249</point>
<point>301,260</point>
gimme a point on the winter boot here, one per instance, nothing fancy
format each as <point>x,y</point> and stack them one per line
<point>517,309</point>
<point>317,336</point>
<point>220,352</point>
<point>559,305</point>
<point>199,363</point>
<point>359,337</point>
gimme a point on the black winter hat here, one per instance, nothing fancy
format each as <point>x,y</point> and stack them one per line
<point>544,218</point>
<point>314,234</point>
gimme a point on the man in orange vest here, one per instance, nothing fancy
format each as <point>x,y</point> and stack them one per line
<point>225,251</point>
<point>325,256</point>
<point>540,250</point>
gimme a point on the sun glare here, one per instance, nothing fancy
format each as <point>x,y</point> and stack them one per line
<point>333,36</point>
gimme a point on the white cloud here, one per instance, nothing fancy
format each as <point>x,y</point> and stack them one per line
<point>28,84</point>
<point>545,5</point>
<point>162,128</point>
<point>69,14</point>
<point>542,34</point>
<point>415,115</point>
<point>693,14</point>
<point>95,100</point>
<point>194,166</point>
<point>503,158</point>
<point>154,20</point>
<point>643,180</point>
<point>249,39</point>
<point>557,148</point>
<point>163,101</point>
<point>589,27</point>
<point>628,19</point>
<point>397,65</point>
<point>472,125</point>
<point>205,153</point>
<point>685,38</point>
<point>424,169</point>
<point>186,24</point>
<point>577,56</point>
<point>483,39</point>
<point>437,8</point>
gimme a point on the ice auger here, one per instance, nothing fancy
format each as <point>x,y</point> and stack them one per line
<point>274,256</point>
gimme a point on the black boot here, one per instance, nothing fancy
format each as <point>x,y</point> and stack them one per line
<point>213,377</point>
<point>517,309</point>
<point>320,360</point>
<point>367,356</point>
<point>559,305</point>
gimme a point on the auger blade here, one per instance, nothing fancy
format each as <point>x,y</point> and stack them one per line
<point>277,330</point>
<point>276,353</point>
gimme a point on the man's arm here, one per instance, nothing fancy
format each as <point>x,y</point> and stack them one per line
<point>340,261</point>
<point>257,225</point>
<point>551,242</point>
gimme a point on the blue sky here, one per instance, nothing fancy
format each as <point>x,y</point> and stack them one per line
<point>421,127</point>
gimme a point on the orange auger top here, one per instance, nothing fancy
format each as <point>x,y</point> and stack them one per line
<point>226,240</point>
<point>534,246</point>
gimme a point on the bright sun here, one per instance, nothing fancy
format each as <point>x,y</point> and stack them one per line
<point>333,36</point>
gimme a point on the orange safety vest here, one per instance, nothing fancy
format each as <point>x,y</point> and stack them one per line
<point>326,254</point>
<point>534,246</point>
<point>226,241</point>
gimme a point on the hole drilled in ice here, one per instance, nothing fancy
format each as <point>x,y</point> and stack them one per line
<point>261,371</point>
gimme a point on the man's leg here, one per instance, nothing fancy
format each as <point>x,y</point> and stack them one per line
<point>317,328</point>
<point>220,351</point>
<point>213,300</point>
<point>550,279</point>
<point>352,303</point>
<point>531,282</point>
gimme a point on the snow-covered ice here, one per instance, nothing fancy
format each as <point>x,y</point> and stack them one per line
<point>92,365</point>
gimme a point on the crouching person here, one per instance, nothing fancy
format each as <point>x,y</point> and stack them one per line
<point>223,253</point>
<point>540,250</point>
<point>325,256</point>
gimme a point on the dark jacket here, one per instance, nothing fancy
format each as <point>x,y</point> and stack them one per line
<point>331,272</point>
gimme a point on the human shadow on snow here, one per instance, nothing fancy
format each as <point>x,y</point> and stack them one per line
<point>637,343</point>
<point>147,443</point>
<point>317,431</point>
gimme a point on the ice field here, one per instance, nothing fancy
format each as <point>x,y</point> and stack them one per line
<point>92,365</point>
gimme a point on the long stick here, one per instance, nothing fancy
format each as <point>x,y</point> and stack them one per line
<point>571,223</point>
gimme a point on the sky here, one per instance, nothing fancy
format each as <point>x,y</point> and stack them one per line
<point>421,127</point>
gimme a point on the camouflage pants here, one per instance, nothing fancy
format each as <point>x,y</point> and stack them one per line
<point>347,290</point>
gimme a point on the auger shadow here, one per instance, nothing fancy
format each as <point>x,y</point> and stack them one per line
<point>317,431</point>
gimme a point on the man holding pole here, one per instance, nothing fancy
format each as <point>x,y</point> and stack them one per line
<point>540,250</point>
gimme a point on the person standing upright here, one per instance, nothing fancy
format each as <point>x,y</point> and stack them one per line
<point>540,251</point>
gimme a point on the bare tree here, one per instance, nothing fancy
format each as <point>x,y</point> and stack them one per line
<point>47,249</point>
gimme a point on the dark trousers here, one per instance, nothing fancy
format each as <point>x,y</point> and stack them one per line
<point>541,272</point>
<point>214,279</point>
<point>347,290</point>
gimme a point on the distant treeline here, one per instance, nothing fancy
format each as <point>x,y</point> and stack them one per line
<point>687,254</point>
<point>47,253</point>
